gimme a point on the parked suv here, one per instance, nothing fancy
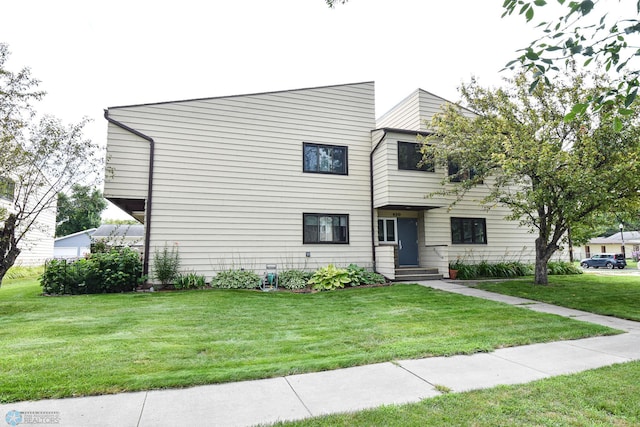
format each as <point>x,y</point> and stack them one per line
<point>604,260</point>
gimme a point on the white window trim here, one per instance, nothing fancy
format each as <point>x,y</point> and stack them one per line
<point>395,234</point>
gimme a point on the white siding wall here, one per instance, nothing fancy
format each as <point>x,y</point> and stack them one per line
<point>393,186</point>
<point>229,188</point>
<point>127,162</point>
<point>405,115</point>
<point>37,244</point>
<point>414,112</point>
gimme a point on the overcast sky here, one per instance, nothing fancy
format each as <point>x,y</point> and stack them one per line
<point>93,55</point>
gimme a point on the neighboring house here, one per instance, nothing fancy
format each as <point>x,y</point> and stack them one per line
<point>299,178</point>
<point>131,235</point>
<point>74,245</point>
<point>611,244</point>
<point>37,244</point>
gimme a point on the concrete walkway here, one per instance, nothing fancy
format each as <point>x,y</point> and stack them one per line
<point>300,396</point>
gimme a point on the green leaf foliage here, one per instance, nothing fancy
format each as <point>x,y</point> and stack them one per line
<point>236,279</point>
<point>329,278</point>
<point>119,270</point>
<point>552,174</point>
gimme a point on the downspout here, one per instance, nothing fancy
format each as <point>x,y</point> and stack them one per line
<point>147,208</point>
<point>373,229</point>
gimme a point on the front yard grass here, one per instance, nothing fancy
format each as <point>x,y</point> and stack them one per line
<point>602,397</point>
<point>84,345</point>
<point>617,296</point>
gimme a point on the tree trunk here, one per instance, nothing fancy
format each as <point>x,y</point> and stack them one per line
<point>544,252</point>
<point>9,250</point>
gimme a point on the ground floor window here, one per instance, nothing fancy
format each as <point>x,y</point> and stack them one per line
<point>468,231</point>
<point>7,189</point>
<point>325,228</point>
<point>387,230</point>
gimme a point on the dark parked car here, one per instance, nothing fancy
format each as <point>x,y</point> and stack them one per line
<point>604,260</point>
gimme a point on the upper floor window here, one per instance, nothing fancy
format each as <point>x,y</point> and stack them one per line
<point>325,228</point>
<point>319,158</point>
<point>468,230</point>
<point>410,158</point>
<point>456,174</point>
<point>7,189</point>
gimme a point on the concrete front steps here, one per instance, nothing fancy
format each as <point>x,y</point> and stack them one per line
<point>404,274</point>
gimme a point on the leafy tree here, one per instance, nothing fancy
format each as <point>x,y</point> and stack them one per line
<point>552,174</point>
<point>80,211</point>
<point>39,157</point>
<point>605,40</point>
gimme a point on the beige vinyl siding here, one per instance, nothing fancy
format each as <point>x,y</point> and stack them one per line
<point>37,244</point>
<point>229,186</point>
<point>127,163</point>
<point>393,186</point>
<point>414,112</point>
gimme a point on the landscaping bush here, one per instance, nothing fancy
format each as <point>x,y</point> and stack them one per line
<point>166,265</point>
<point>562,268</point>
<point>361,276</point>
<point>119,270</point>
<point>236,279</point>
<point>190,281</point>
<point>293,279</point>
<point>497,270</point>
<point>329,278</point>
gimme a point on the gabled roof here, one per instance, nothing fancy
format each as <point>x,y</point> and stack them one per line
<point>120,230</point>
<point>629,237</point>
<point>87,232</point>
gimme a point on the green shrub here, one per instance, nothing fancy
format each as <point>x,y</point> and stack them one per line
<point>236,279</point>
<point>485,269</point>
<point>562,268</point>
<point>361,276</point>
<point>119,270</point>
<point>190,281</point>
<point>329,278</point>
<point>166,265</point>
<point>293,279</point>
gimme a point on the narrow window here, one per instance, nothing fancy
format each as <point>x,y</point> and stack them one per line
<point>387,230</point>
<point>325,228</point>
<point>7,189</point>
<point>468,231</point>
<point>330,159</point>
<point>410,158</point>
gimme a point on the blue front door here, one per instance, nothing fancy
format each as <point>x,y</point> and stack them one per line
<point>407,241</point>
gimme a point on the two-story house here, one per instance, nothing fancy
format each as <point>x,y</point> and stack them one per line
<point>298,178</point>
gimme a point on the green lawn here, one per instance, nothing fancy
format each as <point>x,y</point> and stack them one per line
<point>602,397</point>
<point>617,296</point>
<point>82,345</point>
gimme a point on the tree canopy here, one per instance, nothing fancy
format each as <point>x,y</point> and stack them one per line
<point>579,35</point>
<point>552,174</point>
<point>79,211</point>
<point>39,157</point>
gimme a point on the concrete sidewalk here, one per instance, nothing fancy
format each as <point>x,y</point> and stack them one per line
<point>300,396</point>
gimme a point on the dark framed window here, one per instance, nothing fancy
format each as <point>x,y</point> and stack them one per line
<point>319,158</point>
<point>469,231</point>
<point>7,189</point>
<point>387,230</point>
<point>456,174</point>
<point>410,158</point>
<point>325,228</point>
